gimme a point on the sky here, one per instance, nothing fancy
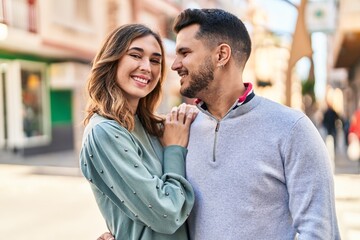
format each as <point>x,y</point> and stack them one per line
<point>282,15</point>
<point>282,19</point>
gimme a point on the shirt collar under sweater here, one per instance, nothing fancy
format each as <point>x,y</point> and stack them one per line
<point>246,97</point>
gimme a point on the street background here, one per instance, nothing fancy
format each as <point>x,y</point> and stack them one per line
<point>305,54</point>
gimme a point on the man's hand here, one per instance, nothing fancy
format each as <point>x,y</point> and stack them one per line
<point>106,236</point>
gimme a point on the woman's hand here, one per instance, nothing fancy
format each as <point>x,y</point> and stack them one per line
<point>177,125</point>
<point>106,236</point>
<point>193,108</point>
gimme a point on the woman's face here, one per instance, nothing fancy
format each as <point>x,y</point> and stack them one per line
<point>139,69</point>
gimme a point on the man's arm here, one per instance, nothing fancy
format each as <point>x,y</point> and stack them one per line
<point>309,181</point>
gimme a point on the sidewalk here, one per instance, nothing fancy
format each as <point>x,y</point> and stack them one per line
<point>47,202</point>
<point>343,165</point>
<point>347,196</point>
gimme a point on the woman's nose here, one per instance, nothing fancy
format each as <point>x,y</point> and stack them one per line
<point>145,65</point>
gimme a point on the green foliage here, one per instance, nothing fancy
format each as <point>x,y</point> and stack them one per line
<point>308,88</point>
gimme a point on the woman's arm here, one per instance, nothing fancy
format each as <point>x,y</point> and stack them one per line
<point>112,161</point>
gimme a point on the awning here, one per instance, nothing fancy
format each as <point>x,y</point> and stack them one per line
<point>349,49</point>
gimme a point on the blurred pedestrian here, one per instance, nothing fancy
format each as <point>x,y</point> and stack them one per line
<point>353,150</point>
<point>355,123</point>
<point>139,185</point>
<point>329,122</point>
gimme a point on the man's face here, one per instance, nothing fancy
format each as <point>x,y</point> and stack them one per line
<point>193,63</point>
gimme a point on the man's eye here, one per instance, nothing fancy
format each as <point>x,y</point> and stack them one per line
<point>184,53</point>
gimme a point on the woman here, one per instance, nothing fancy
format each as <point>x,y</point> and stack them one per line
<point>138,184</point>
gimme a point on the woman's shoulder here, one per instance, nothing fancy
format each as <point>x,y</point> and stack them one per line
<point>100,127</point>
<point>98,121</point>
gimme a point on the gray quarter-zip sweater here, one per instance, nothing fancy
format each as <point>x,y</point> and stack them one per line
<point>261,172</point>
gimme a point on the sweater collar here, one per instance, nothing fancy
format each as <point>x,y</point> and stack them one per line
<point>246,97</point>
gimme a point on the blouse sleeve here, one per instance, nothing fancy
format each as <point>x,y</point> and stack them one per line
<point>112,161</point>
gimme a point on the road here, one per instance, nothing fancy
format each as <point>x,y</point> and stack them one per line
<point>45,203</point>
<point>52,201</point>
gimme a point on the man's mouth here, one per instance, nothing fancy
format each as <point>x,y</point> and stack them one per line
<point>182,74</point>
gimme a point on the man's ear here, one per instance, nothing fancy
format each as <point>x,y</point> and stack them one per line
<point>223,54</point>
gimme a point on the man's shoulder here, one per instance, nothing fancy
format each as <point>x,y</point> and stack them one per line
<point>279,108</point>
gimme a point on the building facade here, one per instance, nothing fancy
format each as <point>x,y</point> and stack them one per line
<point>347,55</point>
<point>46,48</point>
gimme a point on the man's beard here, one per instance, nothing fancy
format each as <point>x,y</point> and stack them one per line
<point>199,80</point>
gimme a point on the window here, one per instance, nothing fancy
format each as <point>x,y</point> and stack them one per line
<point>3,11</point>
<point>19,14</point>
<point>32,104</point>
<point>27,97</point>
<point>73,14</point>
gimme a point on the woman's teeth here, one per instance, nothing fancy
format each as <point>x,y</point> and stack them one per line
<point>142,80</point>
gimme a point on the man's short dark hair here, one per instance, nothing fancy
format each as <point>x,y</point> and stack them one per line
<point>218,26</point>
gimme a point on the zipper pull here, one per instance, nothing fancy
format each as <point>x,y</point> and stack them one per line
<point>217,127</point>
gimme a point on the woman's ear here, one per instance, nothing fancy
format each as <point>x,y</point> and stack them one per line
<point>223,54</point>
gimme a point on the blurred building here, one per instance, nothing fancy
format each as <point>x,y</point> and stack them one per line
<point>346,61</point>
<point>46,47</point>
<point>45,50</point>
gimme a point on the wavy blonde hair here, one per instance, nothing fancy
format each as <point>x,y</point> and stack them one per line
<point>106,97</point>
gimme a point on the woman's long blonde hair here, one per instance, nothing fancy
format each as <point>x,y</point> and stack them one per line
<point>106,97</point>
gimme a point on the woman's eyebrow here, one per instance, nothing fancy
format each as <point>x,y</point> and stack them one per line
<point>142,50</point>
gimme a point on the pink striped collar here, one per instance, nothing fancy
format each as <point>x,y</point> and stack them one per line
<point>248,91</point>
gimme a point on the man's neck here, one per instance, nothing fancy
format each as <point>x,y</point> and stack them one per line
<point>220,102</point>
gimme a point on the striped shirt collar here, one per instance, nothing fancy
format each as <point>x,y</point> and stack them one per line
<point>246,97</point>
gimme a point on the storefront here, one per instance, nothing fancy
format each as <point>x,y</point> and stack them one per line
<point>347,52</point>
<point>36,110</point>
<point>25,111</point>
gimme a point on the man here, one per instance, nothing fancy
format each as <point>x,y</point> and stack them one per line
<point>259,170</point>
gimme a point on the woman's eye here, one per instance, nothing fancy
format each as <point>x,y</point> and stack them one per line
<point>135,55</point>
<point>156,61</point>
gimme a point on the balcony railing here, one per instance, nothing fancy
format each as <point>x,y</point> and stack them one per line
<point>20,14</point>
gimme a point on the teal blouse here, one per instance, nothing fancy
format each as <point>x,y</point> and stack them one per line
<point>139,186</point>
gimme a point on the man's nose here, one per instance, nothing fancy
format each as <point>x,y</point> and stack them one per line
<point>176,65</point>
